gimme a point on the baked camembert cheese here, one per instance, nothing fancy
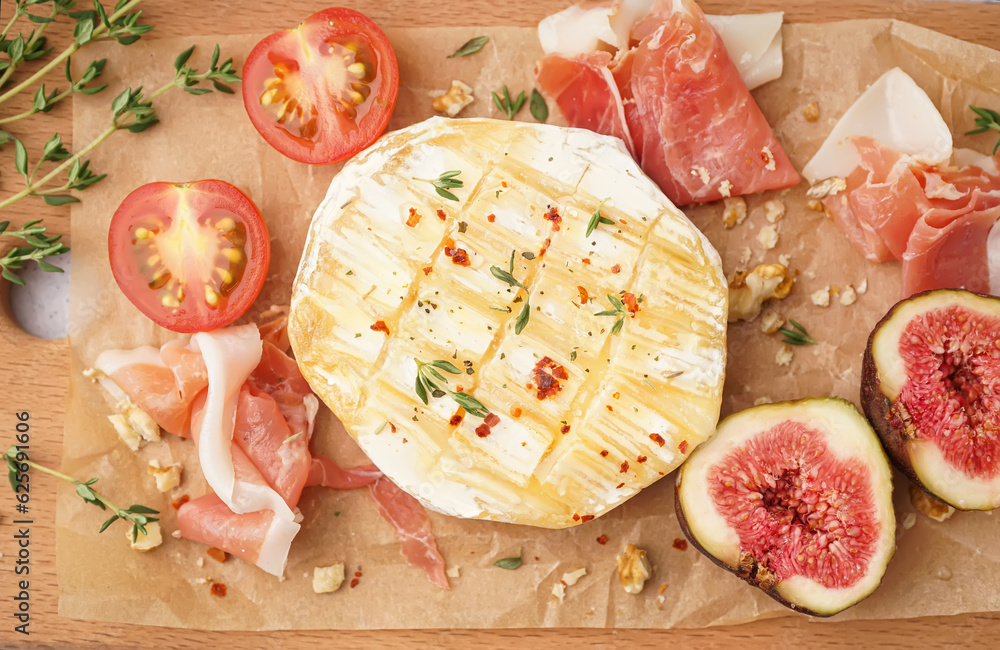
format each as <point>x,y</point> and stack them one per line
<point>569,320</point>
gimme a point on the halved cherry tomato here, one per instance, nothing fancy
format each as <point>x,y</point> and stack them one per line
<point>191,256</point>
<point>322,91</point>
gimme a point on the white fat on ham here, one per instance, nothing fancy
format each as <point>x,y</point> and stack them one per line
<point>277,543</point>
<point>111,361</point>
<point>753,41</point>
<point>230,355</point>
<point>966,157</point>
<point>896,112</point>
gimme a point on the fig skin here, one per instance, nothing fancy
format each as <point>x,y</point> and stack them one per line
<point>746,576</point>
<point>875,405</point>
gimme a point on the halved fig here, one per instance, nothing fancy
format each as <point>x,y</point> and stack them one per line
<point>796,499</point>
<point>931,388</point>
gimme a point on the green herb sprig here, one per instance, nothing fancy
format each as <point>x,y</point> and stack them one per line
<point>471,46</point>
<point>511,563</point>
<point>539,109</point>
<point>137,515</point>
<point>597,218</point>
<point>619,310</point>
<point>988,120</point>
<point>508,277</point>
<point>444,182</point>
<point>508,106</point>
<point>427,384</point>
<point>39,246</point>
<point>798,336</point>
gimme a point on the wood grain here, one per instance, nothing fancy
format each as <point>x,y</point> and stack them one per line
<point>33,373</point>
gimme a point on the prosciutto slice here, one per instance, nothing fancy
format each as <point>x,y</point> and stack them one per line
<point>690,120</point>
<point>413,527</point>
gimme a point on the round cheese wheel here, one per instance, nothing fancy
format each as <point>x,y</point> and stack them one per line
<point>563,321</point>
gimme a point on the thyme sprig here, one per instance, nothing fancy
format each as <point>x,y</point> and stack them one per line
<point>137,515</point>
<point>597,218</point>
<point>427,384</point>
<point>988,120</point>
<point>619,310</point>
<point>508,277</point>
<point>44,102</point>
<point>39,246</point>
<point>508,106</point>
<point>444,182</point>
<point>798,336</point>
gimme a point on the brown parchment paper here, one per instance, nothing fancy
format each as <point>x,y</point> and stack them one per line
<point>939,568</point>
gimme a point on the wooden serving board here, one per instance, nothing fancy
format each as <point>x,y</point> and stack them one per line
<point>34,373</point>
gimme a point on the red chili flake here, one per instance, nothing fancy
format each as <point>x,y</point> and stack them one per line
<point>357,574</point>
<point>217,554</point>
<point>624,467</point>
<point>459,389</point>
<point>641,459</point>
<point>455,420</point>
<point>620,486</point>
<point>680,544</point>
<point>218,589</point>
<point>179,501</point>
<point>524,444</point>
<point>491,217</point>
<point>683,446</point>
<point>586,518</point>
<point>617,268</point>
<point>392,427</point>
<point>405,441</point>
<point>503,184</point>
<point>584,295</point>
<point>610,408</point>
<point>414,218</point>
<point>545,246</point>
<point>623,222</point>
<point>663,588</point>
<point>602,540</point>
<point>553,216</point>
<point>492,419</point>
<point>428,269</point>
<point>547,374</point>
<point>604,453</point>
<point>354,583</point>
<point>630,303</point>
<point>515,412</point>
<point>586,260</point>
<point>485,428</point>
<point>576,517</point>
<point>458,255</point>
<point>616,395</point>
<point>380,326</point>
<point>441,215</point>
<point>658,439</point>
<point>536,558</point>
<point>564,429</point>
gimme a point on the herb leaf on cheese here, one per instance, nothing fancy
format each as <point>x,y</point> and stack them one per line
<point>596,219</point>
<point>445,182</point>
<point>619,310</point>
<point>508,277</point>
<point>427,382</point>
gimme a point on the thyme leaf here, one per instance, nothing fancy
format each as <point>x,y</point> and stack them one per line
<point>596,219</point>
<point>445,182</point>
<point>506,105</point>
<point>539,109</point>
<point>511,563</point>
<point>988,120</point>
<point>424,384</point>
<point>470,47</point>
<point>798,336</point>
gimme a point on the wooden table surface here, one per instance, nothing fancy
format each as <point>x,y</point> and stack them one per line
<point>34,373</point>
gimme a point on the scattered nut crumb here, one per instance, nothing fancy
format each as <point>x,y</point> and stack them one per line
<point>785,259</point>
<point>848,296</point>
<point>568,580</point>
<point>633,569</point>
<point>327,579</point>
<point>167,477</point>
<point>200,561</point>
<point>745,256</point>
<point>761,401</point>
<point>734,211</point>
<point>701,173</point>
<point>726,188</point>
<point>774,211</point>
<point>821,298</point>
<point>452,102</point>
<point>863,287</point>
<point>768,237</point>
<point>930,506</point>
<point>815,205</point>
<point>749,291</point>
<point>145,542</point>
<point>133,425</point>
<point>176,534</point>
<point>784,356</point>
<point>453,572</point>
<point>827,187</point>
<point>771,322</point>
<point>909,520</point>
<point>768,158</point>
<point>659,601</point>
<point>811,112</point>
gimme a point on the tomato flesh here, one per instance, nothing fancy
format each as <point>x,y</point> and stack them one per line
<point>190,256</point>
<point>322,91</point>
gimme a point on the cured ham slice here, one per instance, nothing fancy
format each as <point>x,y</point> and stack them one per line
<point>259,538</point>
<point>324,471</point>
<point>413,527</point>
<point>690,120</point>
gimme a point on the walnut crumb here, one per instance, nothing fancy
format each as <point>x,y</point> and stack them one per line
<point>821,298</point>
<point>784,356</point>
<point>453,572</point>
<point>768,237</point>
<point>745,256</point>
<point>167,476</point>
<point>327,579</point>
<point>771,322</point>
<point>726,189</point>
<point>568,580</point>
<point>734,212</point>
<point>774,211</point>
<point>145,541</point>
<point>827,187</point>
<point>749,291</point>
<point>811,112</point>
<point>863,287</point>
<point>930,506</point>
<point>452,102</point>
<point>848,296</point>
<point>633,569</point>
<point>785,260</point>
<point>760,401</point>
<point>909,520</point>
<point>815,205</point>
<point>768,157</point>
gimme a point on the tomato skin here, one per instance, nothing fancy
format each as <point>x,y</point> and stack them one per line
<point>183,227</point>
<point>307,75</point>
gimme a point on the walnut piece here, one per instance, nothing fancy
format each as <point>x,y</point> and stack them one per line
<point>167,477</point>
<point>815,205</point>
<point>827,187</point>
<point>762,400</point>
<point>929,506</point>
<point>327,579</point>
<point>568,580</point>
<point>134,426</point>
<point>811,112</point>
<point>768,237</point>
<point>848,296</point>
<point>734,212</point>
<point>633,569</point>
<point>771,322</point>
<point>774,211</point>
<point>452,102</point>
<point>821,298</point>
<point>784,356</point>
<point>749,291</point>
<point>145,542</point>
